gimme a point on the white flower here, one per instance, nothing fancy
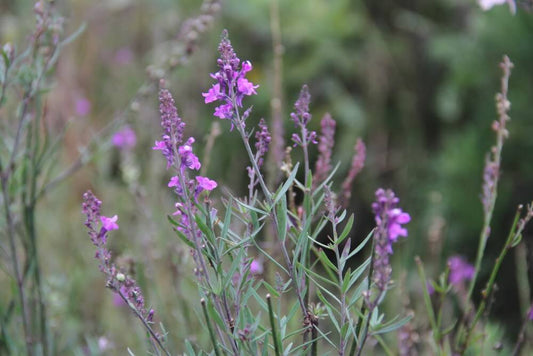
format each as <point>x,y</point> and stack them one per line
<point>488,4</point>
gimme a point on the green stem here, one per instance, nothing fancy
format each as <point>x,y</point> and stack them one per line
<point>13,249</point>
<point>199,253</point>
<point>362,325</point>
<point>513,233</point>
<point>244,137</point>
<point>145,323</point>
<point>275,339</point>
<point>427,301</point>
<point>209,327</point>
<point>268,195</point>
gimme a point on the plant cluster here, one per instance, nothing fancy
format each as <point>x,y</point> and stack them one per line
<point>280,270</point>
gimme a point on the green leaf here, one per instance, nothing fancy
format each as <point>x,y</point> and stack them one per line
<point>346,230</point>
<point>180,234</point>
<point>228,275</point>
<point>213,314</point>
<point>281,210</point>
<point>189,348</point>
<point>325,261</point>
<point>516,240</point>
<point>357,293</point>
<point>281,192</point>
<point>329,309</point>
<point>249,207</point>
<point>204,228</point>
<point>266,344</point>
<point>391,326</point>
<point>327,180</point>
<point>356,274</point>
<point>227,218</point>
<point>270,289</point>
<point>74,35</point>
<point>361,245</point>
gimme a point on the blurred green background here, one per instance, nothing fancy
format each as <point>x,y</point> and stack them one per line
<point>415,79</point>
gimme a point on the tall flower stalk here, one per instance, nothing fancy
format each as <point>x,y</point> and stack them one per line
<point>229,90</point>
<point>116,280</point>
<point>491,173</point>
<point>389,220</point>
<point>180,157</point>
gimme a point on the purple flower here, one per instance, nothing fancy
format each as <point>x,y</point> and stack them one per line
<point>396,219</point>
<point>124,138</point>
<point>460,271</point>
<point>159,145</point>
<point>83,106</point>
<point>256,267</point>
<point>205,183</point>
<point>117,299</point>
<point>213,94</point>
<point>231,85</point>
<point>530,313</point>
<point>246,87</point>
<point>224,111</point>
<point>174,182</point>
<point>189,159</point>
<point>109,223</point>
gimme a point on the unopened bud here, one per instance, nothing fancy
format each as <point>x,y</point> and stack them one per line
<point>9,50</point>
<point>121,277</point>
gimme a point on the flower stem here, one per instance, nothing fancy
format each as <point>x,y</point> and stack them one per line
<point>277,348</point>
<point>145,323</point>
<point>209,327</point>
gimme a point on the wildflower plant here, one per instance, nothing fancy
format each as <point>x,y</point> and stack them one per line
<point>471,324</point>
<point>302,299</point>
<point>29,147</point>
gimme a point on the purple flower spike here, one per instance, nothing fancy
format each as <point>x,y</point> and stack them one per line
<point>460,271</point>
<point>302,115</point>
<point>301,118</point>
<point>358,162</point>
<point>389,218</point>
<point>172,126</point>
<point>389,221</point>
<point>231,86</point>
<point>325,148</point>
<point>263,140</point>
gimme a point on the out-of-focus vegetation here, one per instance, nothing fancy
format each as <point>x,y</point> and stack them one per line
<point>415,79</point>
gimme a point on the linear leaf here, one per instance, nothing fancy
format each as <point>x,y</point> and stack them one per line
<point>287,184</point>
<point>346,230</point>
